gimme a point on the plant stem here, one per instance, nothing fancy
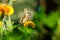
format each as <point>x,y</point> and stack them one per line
<point>4,21</point>
<point>10,2</point>
<point>9,19</point>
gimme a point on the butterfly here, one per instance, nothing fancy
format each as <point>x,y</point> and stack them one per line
<point>26,17</point>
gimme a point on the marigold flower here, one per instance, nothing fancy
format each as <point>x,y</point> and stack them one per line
<point>8,10</point>
<point>29,23</point>
<point>32,24</point>
<point>1,23</point>
<point>26,24</point>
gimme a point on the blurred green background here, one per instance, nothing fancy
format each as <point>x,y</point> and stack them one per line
<point>46,17</point>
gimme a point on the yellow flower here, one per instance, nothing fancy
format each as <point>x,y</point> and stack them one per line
<point>32,24</point>
<point>26,24</point>
<point>1,23</point>
<point>6,9</point>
